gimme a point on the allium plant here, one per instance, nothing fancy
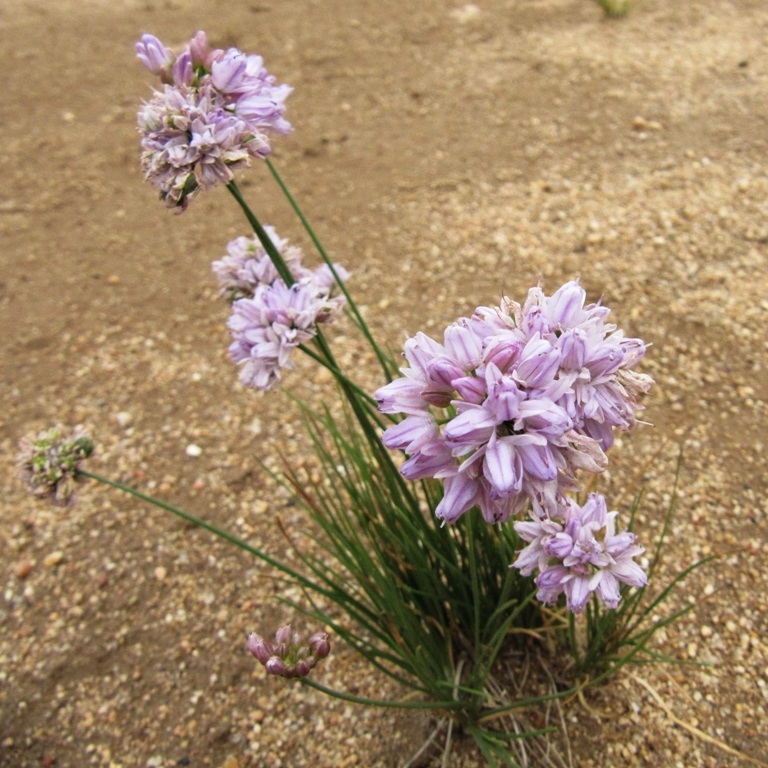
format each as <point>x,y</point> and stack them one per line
<point>449,527</point>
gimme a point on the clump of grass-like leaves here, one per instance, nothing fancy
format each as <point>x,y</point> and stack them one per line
<point>606,640</point>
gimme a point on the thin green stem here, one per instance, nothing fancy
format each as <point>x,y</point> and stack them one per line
<point>432,705</point>
<point>389,371</point>
<point>338,374</point>
<point>475,590</point>
<point>264,239</point>
<point>572,637</point>
<point>200,523</point>
<point>326,358</point>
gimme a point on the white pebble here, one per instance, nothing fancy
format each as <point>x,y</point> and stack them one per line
<point>194,450</point>
<point>465,14</point>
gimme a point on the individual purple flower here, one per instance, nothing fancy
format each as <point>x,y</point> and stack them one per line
<point>578,553</point>
<point>288,655</point>
<point>157,58</point>
<point>49,463</point>
<point>514,402</point>
<point>214,113</point>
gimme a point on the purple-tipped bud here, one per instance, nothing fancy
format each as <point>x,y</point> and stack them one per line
<point>260,648</point>
<point>276,666</point>
<point>320,645</point>
<point>567,303</point>
<point>155,56</point>
<point>283,635</point>
<point>183,71</point>
<point>199,50</point>
<point>281,650</point>
<point>303,668</point>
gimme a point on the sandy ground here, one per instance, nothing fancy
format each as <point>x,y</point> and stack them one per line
<point>447,154</point>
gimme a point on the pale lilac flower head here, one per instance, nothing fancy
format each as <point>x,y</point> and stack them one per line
<point>214,113</point>
<point>49,463</point>
<point>247,265</point>
<point>269,318</point>
<point>288,655</point>
<point>513,402</point>
<point>267,327</point>
<point>578,553</point>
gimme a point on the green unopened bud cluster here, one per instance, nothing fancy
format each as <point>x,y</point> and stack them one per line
<point>49,463</point>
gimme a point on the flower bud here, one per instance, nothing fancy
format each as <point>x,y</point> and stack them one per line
<point>183,72</point>
<point>289,656</point>
<point>155,56</point>
<point>260,648</point>
<point>320,645</point>
<point>303,668</point>
<point>283,635</point>
<point>199,50</point>
<point>566,304</point>
<point>275,666</point>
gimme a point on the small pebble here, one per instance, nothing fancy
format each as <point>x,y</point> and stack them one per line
<point>193,450</point>
<point>466,13</point>
<point>54,558</point>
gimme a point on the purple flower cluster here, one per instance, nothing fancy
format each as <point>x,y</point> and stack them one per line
<point>270,319</point>
<point>247,266</point>
<point>579,553</point>
<point>288,656</point>
<point>513,402</point>
<point>213,113</point>
<point>49,463</point>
